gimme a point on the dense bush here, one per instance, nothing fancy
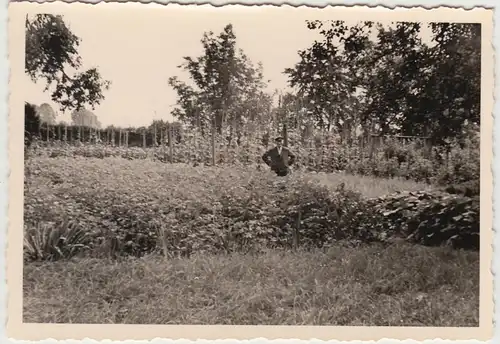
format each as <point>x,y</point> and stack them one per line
<point>137,207</point>
<point>428,218</point>
<point>31,124</point>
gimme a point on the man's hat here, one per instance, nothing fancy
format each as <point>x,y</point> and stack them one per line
<point>279,138</point>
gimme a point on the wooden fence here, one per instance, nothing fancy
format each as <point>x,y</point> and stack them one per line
<point>162,137</point>
<point>112,136</point>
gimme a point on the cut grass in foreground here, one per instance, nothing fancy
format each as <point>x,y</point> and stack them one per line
<point>397,285</point>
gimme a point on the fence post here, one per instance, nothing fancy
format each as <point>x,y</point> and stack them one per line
<point>428,147</point>
<point>155,143</point>
<point>295,232</point>
<point>171,144</point>
<point>278,112</point>
<point>371,143</point>
<point>361,143</point>
<point>164,133</point>
<point>154,135</point>
<point>144,138</point>
<point>213,141</point>
<point>285,135</point>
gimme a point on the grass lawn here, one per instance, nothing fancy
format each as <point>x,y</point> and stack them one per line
<point>398,285</point>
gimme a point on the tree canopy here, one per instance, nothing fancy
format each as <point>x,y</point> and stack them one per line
<point>86,118</point>
<point>52,56</point>
<point>390,81</point>
<point>46,114</point>
<point>224,86</point>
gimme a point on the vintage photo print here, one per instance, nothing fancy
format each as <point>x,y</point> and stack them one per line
<point>244,172</point>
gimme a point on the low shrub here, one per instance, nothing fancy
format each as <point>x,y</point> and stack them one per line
<point>54,241</point>
<point>428,218</point>
<point>469,189</point>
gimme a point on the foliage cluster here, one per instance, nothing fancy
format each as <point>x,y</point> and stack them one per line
<point>428,218</point>
<point>52,56</point>
<point>136,207</point>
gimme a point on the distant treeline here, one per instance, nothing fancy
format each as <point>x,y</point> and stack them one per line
<point>159,132</point>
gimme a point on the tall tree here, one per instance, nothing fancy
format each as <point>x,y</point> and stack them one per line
<point>47,114</point>
<point>451,87</point>
<point>86,118</point>
<point>395,67</point>
<point>225,84</point>
<point>327,74</point>
<point>31,124</point>
<point>390,80</point>
<point>51,52</point>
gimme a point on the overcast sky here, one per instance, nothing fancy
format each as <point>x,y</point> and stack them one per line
<point>138,48</point>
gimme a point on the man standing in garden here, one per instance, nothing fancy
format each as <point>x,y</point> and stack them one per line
<point>279,158</point>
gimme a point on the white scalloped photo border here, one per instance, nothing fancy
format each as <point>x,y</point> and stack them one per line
<point>11,174</point>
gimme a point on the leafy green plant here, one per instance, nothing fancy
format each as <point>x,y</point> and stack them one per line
<point>428,218</point>
<point>54,241</point>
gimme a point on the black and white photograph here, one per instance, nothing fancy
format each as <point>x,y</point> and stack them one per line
<point>265,165</point>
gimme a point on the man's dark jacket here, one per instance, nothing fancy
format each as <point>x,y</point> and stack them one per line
<point>279,162</point>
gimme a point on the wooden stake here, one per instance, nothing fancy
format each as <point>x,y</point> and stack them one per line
<point>285,135</point>
<point>213,142</point>
<point>171,144</point>
<point>295,233</point>
<point>154,135</point>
